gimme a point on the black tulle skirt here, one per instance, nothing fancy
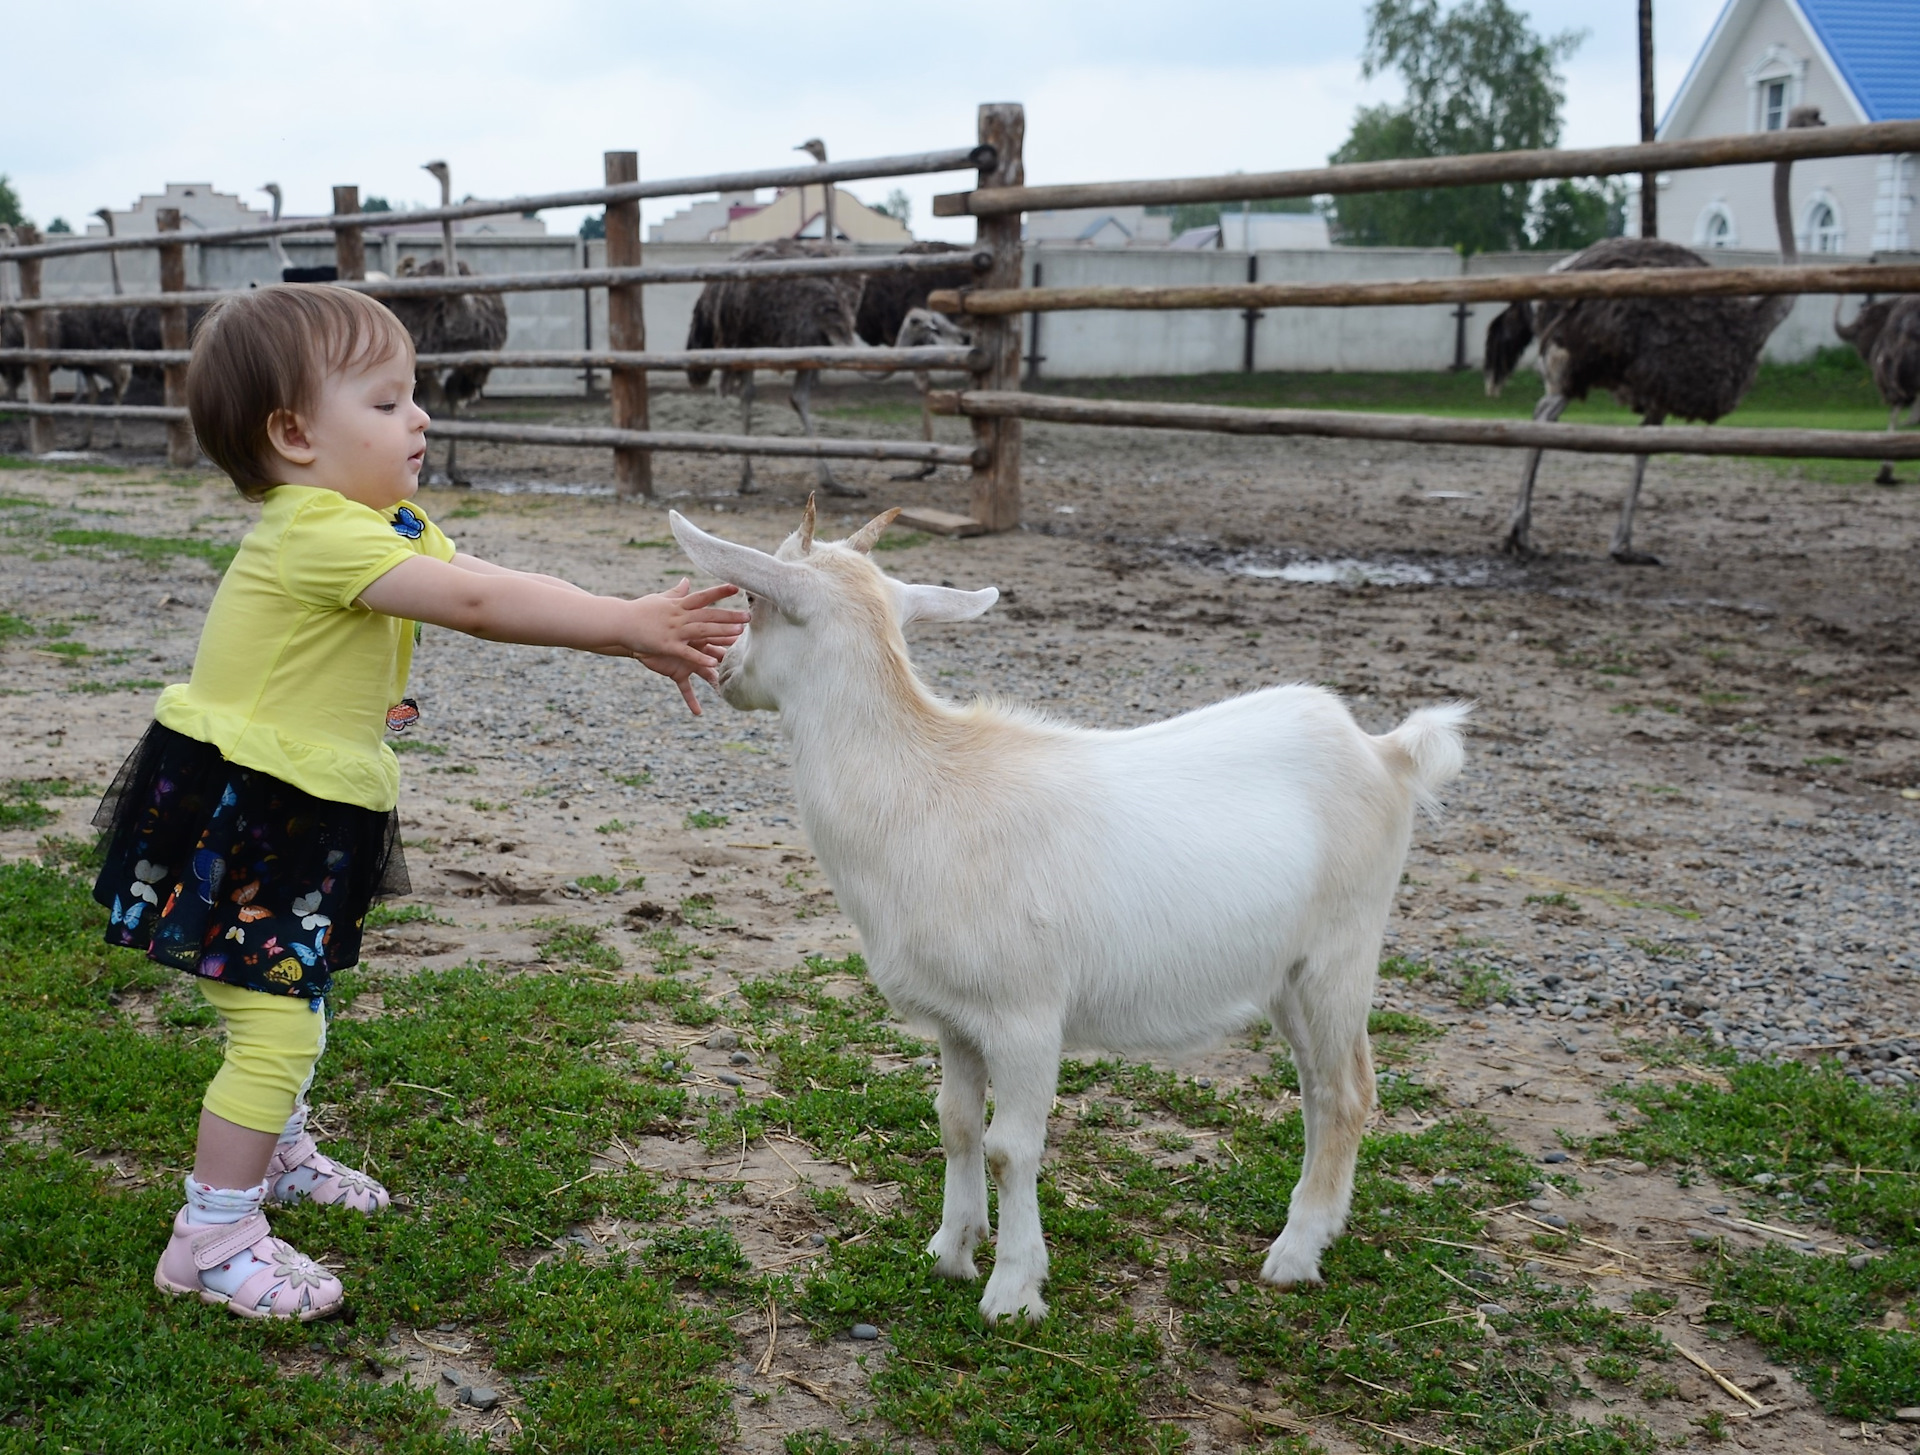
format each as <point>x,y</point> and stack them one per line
<point>231,874</point>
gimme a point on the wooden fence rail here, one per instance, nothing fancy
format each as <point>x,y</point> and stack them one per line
<point>811,174</point>
<point>1799,144</point>
<point>565,280</point>
<point>1505,287</point>
<point>1592,439</point>
<point>875,360</point>
<point>587,436</point>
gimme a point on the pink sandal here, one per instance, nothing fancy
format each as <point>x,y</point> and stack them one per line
<point>319,1179</point>
<point>290,1286</point>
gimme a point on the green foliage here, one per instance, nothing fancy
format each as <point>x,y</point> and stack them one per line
<point>901,540</point>
<point>594,228</point>
<point>59,224</point>
<point>1838,1152</point>
<point>1478,80</point>
<point>414,745</point>
<point>387,916</point>
<point>702,818</point>
<point>898,206</point>
<point>578,945</point>
<point>612,826</point>
<point>217,554</point>
<point>20,800</point>
<point>1571,213</point>
<point>10,213</point>
<point>635,780</point>
<point>597,883</point>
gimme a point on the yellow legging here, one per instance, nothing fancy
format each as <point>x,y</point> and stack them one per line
<point>273,1042</point>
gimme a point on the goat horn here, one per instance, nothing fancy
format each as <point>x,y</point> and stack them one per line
<point>806,527</point>
<point>864,538</point>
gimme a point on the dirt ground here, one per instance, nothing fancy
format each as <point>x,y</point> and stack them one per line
<point>1691,803</point>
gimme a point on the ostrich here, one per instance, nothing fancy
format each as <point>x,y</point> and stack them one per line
<point>289,272</point>
<point>817,149</point>
<point>13,334</point>
<point>1887,336</point>
<point>98,328</point>
<point>923,328</point>
<point>777,313</point>
<point>1691,357</point>
<point>449,324</point>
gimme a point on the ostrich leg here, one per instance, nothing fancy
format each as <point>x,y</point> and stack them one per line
<point>1622,549</point>
<point>923,382</point>
<point>1519,541</point>
<point>1886,475</point>
<point>746,427</point>
<point>801,398</point>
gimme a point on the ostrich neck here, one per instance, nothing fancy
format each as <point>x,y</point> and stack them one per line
<point>1783,212</point>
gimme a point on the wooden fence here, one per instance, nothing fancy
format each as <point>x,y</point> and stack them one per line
<point>996,405</point>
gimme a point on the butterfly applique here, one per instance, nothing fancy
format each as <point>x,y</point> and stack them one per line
<point>128,915</point>
<point>402,715</point>
<point>208,870</point>
<point>408,523</point>
<point>213,966</point>
<point>251,912</point>
<point>146,874</point>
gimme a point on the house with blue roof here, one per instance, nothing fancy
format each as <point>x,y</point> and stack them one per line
<point>1858,61</point>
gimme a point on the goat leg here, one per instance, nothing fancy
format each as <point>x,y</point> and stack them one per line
<point>1336,1095</point>
<point>1622,549</point>
<point>1024,1073</point>
<point>962,1105</point>
<point>801,398</point>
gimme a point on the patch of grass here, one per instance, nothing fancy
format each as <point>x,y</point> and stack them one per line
<point>612,826</point>
<point>12,626</point>
<point>635,780</point>
<point>655,543</point>
<point>124,684</point>
<point>901,540</point>
<point>701,818</point>
<point>528,1079</point>
<point>697,912</point>
<point>1477,986</point>
<point>414,745</point>
<point>597,883</point>
<point>1559,898</point>
<point>577,945</point>
<point>484,805</point>
<point>1825,760</point>
<point>20,800</point>
<point>58,467</point>
<point>388,916</point>
<point>217,554</point>
<point>1807,1129</point>
<point>1403,967</point>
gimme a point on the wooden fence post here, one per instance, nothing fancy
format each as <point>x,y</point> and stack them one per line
<point>349,243</point>
<point>40,427</point>
<point>626,330</point>
<point>996,484</point>
<point>181,450</point>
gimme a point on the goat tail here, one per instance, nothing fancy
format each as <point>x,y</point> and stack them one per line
<point>1429,744</point>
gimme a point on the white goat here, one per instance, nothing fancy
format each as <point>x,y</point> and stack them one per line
<point>1022,886</point>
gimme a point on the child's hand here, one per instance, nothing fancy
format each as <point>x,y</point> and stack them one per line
<point>681,634</point>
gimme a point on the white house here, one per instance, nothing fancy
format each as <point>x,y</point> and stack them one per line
<point>1098,227</point>
<point>1858,61</point>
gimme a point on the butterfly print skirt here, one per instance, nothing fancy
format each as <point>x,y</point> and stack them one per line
<point>229,873</point>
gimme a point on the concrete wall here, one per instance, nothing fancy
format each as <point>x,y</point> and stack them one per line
<point>1071,345</point>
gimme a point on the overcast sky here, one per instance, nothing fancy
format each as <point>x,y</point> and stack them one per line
<point>525,97</point>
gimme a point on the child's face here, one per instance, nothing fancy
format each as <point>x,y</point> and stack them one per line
<point>364,436</point>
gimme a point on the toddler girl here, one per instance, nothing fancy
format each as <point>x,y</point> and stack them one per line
<point>255,822</point>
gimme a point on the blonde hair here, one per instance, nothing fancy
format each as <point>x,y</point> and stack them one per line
<point>270,349</point>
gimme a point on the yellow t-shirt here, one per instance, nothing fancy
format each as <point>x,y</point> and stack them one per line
<point>293,677</point>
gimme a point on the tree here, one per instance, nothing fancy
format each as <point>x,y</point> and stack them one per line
<point>376,204</point>
<point>1478,80</point>
<point>898,206</point>
<point>10,213</point>
<point>1568,214</point>
<point>59,224</point>
<point>593,227</point>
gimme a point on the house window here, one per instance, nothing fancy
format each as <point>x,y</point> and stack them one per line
<point>1773,104</point>
<point>1823,232</point>
<point>1715,228</point>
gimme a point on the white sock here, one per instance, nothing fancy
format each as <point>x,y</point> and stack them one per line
<point>300,1182</point>
<point>207,1204</point>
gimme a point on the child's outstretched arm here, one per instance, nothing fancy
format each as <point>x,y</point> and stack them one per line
<point>493,568</point>
<point>680,633</point>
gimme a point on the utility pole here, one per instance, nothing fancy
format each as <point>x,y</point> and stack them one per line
<point>1649,181</point>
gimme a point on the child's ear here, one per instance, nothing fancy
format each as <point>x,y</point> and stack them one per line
<point>289,437</point>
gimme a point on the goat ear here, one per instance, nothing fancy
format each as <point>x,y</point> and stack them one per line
<point>806,527</point>
<point>863,539</point>
<point>941,603</point>
<point>791,587</point>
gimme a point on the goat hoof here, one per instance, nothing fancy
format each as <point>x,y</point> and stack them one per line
<point>1517,546</point>
<point>1027,1305</point>
<point>1290,1268</point>
<point>1634,558</point>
